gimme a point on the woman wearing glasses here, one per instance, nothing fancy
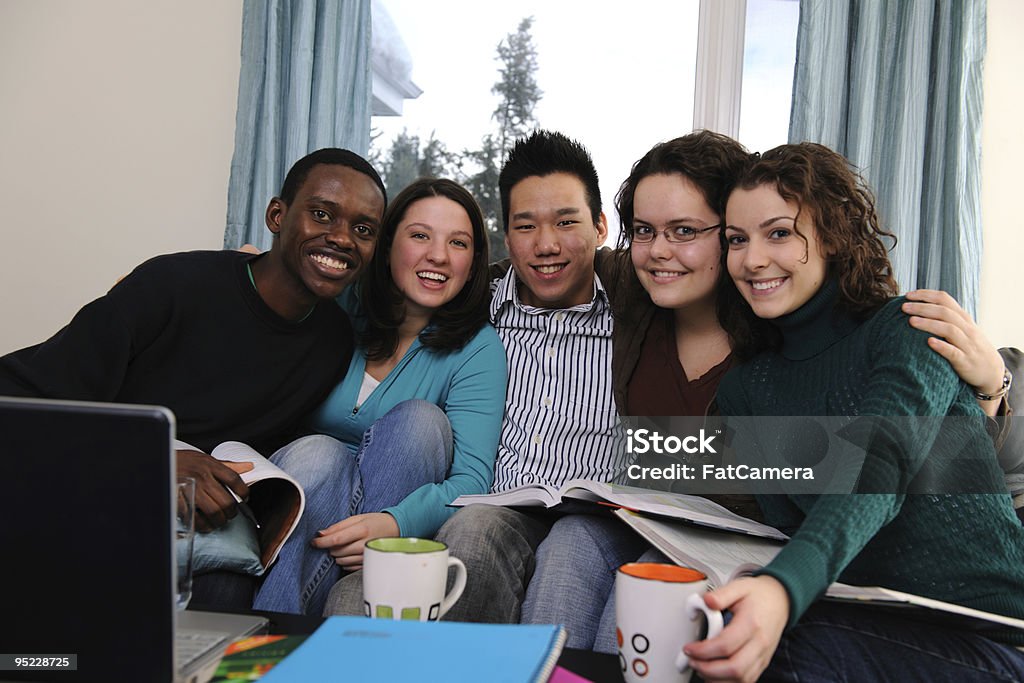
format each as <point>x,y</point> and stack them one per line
<point>671,349</point>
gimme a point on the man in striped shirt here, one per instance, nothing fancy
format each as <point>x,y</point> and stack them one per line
<point>553,315</point>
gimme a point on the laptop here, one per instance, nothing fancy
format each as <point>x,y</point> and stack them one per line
<point>87,533</point>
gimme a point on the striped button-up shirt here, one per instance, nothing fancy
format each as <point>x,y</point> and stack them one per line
<point>560,419</point>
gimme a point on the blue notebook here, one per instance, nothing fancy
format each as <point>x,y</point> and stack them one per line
<point>361,649</point>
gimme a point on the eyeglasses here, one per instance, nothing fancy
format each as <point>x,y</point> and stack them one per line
<point>645,234</point>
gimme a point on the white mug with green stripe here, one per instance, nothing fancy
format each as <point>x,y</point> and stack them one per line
<point>405,578</point>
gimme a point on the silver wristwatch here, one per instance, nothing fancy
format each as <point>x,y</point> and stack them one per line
<point>1007,381</point>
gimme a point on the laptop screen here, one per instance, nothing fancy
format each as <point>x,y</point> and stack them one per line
<point>86,530</point>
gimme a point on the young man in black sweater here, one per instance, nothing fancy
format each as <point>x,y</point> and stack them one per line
<point>239,346</point>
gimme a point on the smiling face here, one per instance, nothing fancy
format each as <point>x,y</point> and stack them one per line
<point>551,240</point>
<point>776,269</point>
<point>325,236</point>
<point>681,275</point>
<point>432,254</point>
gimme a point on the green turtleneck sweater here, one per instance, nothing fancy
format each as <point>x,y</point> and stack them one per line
<point>962,548</point>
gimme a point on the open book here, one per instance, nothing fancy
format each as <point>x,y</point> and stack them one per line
<point>692,509</point>
<point>723,557</point>
<point>276,500</point>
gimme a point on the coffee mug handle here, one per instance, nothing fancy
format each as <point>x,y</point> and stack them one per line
<point>695,604</point>
<point>460,585</point>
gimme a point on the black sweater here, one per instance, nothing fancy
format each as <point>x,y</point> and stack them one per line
<point>188,331</point>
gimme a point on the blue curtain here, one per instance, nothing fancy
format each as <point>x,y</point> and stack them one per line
<point>305,84</point>
<point>896,86</point>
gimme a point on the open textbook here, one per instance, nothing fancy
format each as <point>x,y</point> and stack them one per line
<point>723,557</point>
<point>692,509</point>
<point>276,500</point>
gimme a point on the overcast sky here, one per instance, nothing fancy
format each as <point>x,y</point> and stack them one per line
<point>618,81</point>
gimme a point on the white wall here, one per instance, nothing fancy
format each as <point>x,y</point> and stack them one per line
<point>1001,313</point>
<point>117,124</point>
<point>117,128</point>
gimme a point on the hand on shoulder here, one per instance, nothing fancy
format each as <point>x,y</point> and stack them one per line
<point>958,339</point>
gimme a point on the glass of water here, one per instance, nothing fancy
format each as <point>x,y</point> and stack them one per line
<point>184,538</point>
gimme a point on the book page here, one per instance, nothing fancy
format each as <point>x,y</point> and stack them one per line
<point>721,557</point>
<point>883,596</point>
<point>275,497</point>
<point>236,451</point>
<point>528,495</point>
<point>696,509</point>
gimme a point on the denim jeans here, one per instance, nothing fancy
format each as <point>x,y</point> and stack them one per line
<point>840,642</point>
<point>223,591</point>
<point>497,546</point>
<point>575,575</point>
<point>389,465</point>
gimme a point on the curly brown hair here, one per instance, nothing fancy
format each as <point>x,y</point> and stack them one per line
<point>842,207</point>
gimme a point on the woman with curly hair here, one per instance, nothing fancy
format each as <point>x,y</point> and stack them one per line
<point>807,254</point>
<point>414,424</point>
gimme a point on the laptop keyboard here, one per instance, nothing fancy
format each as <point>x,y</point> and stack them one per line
<point>190,645</point>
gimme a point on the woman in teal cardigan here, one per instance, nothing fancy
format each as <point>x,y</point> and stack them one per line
<point>806,252</point>
<point>415,422</point>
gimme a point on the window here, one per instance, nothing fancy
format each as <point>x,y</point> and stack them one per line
<point>769,55</point>
<point>619,81</point>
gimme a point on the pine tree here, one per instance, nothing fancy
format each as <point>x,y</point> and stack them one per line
<point>519,93</point>
<point>484,187</point>
<point>408,158</point>
<point>517,85</point>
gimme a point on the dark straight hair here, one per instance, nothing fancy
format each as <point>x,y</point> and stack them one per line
<point>542,153</point>
<point>455,323</point>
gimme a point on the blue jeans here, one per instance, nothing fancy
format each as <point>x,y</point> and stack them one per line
<point>406,448</point>
<point>575,575</point>
<point>840,642</point>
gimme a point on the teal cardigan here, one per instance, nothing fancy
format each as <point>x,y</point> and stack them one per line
<point>468,385</point>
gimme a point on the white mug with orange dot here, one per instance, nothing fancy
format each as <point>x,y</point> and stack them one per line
<point>659,608</point>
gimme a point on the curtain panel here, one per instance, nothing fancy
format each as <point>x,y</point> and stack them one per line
<point>305,83</point>
<point>896,87</point>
